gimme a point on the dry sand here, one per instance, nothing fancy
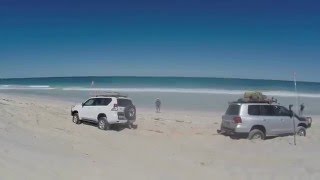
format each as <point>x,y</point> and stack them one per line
<point>39,141</point>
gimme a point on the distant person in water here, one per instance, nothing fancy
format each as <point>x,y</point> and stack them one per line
<point>158,105</point>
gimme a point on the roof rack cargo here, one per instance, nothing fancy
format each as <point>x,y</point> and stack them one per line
<point>269,101</point>
<point>111,94</point>
<point>255,97</point>
<point>266,101</point>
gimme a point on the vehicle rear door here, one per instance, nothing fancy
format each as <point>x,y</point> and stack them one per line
<point>258,116</point>
<point>122,104</point>
<point>271,122</point>
<point>228,119</point>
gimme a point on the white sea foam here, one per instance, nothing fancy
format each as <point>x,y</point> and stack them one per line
<point>22,87</point>
<point>195,91</point>
<point>39,86</point>
<point>160,90</point>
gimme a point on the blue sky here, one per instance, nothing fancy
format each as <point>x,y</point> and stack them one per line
<point>227,38</point>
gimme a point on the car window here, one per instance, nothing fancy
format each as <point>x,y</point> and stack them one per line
<point>102,101</point>
<point>267,110</point>
<point>90,102</point>
<point>281,111</point>
<point>254,110</point>
<point>124,102</point>
<point>233,109</point>
<point>98,102</point>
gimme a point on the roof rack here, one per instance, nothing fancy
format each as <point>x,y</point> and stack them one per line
<point>247,102</point>
<point>111,94</point>
<point>266,101</point>
<point>255,97</point>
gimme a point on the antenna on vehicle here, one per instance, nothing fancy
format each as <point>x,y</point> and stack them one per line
<point>91,86</point>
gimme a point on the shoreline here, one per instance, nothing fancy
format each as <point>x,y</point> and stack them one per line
<point>170,101</point>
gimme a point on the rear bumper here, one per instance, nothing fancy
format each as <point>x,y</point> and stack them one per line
<point>226,131</point>
<point>118,122</point>
<point>230,132</point>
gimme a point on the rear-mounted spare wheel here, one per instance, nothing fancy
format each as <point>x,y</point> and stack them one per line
<point>130,112</point>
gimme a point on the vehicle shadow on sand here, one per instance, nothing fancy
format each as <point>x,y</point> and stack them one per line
<point>239,137</point>
<point>114,127</point>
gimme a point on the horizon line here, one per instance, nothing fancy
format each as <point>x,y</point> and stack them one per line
<point>134,76</point>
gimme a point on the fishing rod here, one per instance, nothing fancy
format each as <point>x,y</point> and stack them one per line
<point>297,106</point>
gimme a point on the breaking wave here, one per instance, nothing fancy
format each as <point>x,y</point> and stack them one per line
<point>160,90</point>
<point>22,87</point>
<point>195,91</point>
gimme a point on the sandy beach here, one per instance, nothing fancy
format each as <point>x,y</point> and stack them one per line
<point>39,141</point>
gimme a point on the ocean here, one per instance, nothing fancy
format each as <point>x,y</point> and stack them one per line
<point>183,93</point>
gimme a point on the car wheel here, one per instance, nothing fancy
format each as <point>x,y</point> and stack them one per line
<point>130,112</point>
<point>301,131</point>
<point>103,124</point>
<point>75,118</point>
<point>256,134</point>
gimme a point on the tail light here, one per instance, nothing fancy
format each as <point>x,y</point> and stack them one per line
<point>237,120</point>
<point>115,107</point>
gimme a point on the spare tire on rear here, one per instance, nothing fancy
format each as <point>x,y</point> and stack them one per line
<point>130,112</point>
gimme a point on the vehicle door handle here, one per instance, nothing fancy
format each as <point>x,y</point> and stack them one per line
<point>264,120</point>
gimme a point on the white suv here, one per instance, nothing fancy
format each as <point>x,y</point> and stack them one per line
<point>105,110</point>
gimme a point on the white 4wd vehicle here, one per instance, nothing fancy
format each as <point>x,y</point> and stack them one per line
<point>258,120</point>
<point>105,110</point>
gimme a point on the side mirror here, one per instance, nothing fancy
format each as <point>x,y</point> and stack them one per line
<point>82,104</point>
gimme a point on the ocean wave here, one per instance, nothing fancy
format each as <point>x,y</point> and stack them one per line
<point>22,87</point>
<point>291,94</point>
<point>161,90</point>
<point>195,91</point>
<point>39,86</point>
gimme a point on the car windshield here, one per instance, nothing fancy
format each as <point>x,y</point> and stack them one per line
<point>124,102</point>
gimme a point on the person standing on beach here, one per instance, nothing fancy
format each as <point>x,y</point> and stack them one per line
<point>301,109</point>
<point>158,105</point>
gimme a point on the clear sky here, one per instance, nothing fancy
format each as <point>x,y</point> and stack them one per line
<point>227,38</point>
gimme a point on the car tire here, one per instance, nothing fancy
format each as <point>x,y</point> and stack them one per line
<point>103,123</point>
<point>301,131</point>
<point>256,134</point>
<point>76,119</point>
